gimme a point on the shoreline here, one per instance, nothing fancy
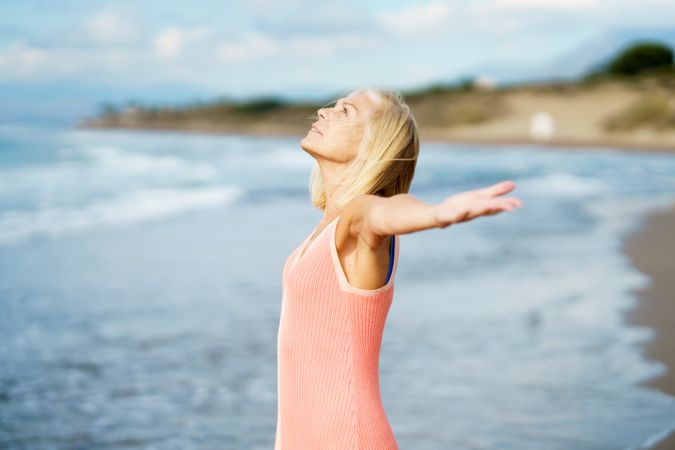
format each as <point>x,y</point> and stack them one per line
<point>650,249</point>
<point>426,135</point>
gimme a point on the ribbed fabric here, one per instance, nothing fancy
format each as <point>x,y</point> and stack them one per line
<point>328,349</point>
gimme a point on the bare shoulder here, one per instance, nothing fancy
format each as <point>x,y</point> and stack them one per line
<point>363,255</point>
<point>354,223</point>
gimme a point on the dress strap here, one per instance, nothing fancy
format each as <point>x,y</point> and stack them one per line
<point>391,258</point>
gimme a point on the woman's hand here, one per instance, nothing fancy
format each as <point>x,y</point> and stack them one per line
<point>468,205</point>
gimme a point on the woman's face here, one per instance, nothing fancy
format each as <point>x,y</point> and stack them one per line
<point>337,133</point>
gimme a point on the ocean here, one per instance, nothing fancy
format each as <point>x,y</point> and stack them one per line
<point>140,290</point>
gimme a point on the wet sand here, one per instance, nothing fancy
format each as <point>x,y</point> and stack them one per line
<point>651,249</point>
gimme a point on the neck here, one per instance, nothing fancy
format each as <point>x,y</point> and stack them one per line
<point>330,174</point>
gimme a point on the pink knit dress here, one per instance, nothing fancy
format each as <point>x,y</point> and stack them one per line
<point>328,348</point>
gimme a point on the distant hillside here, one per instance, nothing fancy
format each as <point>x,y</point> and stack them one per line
<point>606,111</point>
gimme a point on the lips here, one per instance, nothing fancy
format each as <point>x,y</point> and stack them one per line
<point>314,128</point>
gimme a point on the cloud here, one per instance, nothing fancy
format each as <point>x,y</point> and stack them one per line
<point>256,45</point>
<point>250,46</point>
<point>113,26</point>
<point>546,4</point>
<point>416,19</point>
<point>265,6</point>
<point>22,60</point>
<point>316,19</point>
<point>170,42</point>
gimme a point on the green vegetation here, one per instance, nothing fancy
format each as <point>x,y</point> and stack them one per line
<point>464,84</point>
<point>109,110</point>
<point>641,58</point>
<point>259,106</point>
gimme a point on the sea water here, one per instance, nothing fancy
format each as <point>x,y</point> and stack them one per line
<point>140,290</point>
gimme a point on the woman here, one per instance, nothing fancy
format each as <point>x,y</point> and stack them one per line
<point>338,284</point>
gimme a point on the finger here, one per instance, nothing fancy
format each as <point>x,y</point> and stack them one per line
<point>515,201</point>
<point>500,188</point>
<point>512,201</point>
<point>501,207</point>
<point>503,203</point>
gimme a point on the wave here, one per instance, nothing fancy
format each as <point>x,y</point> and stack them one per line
<point>283,156</point>
<point>116,160</point>
<point>562,184</point>
<point>129,208</point>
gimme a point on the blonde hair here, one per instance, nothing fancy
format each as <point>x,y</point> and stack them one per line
<point>384,163</point>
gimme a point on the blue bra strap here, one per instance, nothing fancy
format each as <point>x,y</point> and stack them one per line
<point>391,258</point>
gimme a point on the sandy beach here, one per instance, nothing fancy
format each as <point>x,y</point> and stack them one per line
<point>651,249</point>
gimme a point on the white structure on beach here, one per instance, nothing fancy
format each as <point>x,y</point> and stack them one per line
<point>484,82</point>
<point>542,126</point>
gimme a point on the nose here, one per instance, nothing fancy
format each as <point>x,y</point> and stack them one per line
<point>322,113</point>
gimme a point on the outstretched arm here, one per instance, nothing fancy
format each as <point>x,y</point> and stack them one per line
<point>374,217</point>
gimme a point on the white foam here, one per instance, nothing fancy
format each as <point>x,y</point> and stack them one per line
<point>562,184</point>
<point>290,157</point>
<point>282,156</point>
<point>116,160</point>
<point>624,213</point>
<point>131,207</point>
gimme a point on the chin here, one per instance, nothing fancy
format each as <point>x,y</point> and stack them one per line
<point>305,145</point>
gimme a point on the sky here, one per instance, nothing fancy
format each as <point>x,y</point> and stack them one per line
<point>54,54</point>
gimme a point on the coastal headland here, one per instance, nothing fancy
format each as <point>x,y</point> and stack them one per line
<point>635,113</point>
